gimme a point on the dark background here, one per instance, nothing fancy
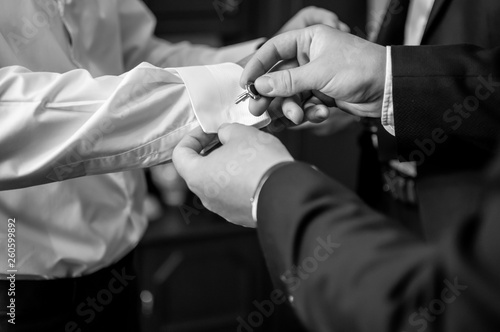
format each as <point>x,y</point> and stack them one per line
<point>197,272</point>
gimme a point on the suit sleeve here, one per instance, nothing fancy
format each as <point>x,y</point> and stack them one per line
<point>347,268</point>
<point>447,94</point>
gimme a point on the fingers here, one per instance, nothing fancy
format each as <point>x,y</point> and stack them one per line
<point>230,131</point>
<point>314,15</point>
<point>292,110</point>
<point>317,113</point>
<point>281,47</point>
<point>187,151</point>
<point>325,99</point>
<point>258,107</point>
<point>315,110</point>
<point>344,27</point>
<point>322,16</point>
<point>286,83</point>
<point>370,110</point>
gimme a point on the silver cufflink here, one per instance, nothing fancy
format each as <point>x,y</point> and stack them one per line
<point>251,92</point>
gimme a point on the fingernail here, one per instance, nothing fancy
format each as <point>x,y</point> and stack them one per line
<point>321,114</point>
<point>295,117</point>
<point>264,85</point>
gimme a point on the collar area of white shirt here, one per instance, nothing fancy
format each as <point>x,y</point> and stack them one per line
<point>418,17</point>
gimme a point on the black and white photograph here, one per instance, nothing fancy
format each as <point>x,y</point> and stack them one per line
<point>249,165</point>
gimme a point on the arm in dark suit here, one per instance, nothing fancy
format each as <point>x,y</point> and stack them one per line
<point>448,94</point>
<point>351,269</point>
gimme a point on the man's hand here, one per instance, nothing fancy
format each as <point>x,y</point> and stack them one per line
<point>303,107</point>
<point>227,178</point>
<point>330,63</point>
<point>299,108</point>
<point>337,122</point>
<point>311,16</point>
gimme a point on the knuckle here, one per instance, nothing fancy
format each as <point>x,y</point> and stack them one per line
<point>226,131</point>
<point>191,186</point>
<point>309,9</point>
<point>176,155</point>
<point>319,28</point>
<point>286,82</point>
<point>313,9</point>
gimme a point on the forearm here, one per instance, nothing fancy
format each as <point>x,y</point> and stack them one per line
<point>61,126</point>
<point>350,269</point>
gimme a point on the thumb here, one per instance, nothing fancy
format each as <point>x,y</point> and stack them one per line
<point>187,152</point>
<point>288,82</point>
<point>232,131</point>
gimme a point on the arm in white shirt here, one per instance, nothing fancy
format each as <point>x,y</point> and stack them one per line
<point>139,44</point>
<point>60,126</point>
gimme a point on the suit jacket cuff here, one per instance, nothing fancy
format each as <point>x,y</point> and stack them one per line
<point>283,201</point>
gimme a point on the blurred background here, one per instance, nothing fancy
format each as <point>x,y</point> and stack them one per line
<point>199,273</point>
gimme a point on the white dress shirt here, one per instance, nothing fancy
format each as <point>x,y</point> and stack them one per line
<point>418,15</point>
<point>83,92</point>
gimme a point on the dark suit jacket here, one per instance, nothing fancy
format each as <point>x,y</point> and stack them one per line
<point>450,139</point>
<point>351,269</point>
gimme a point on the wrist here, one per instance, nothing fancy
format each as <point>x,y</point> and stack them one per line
<point>377,81</point>
<point>255,197</point>
<point>382,73</point>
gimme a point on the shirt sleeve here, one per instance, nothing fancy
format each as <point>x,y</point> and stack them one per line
<point>60,126</point>
<point>387,116</point>
<point>137,25</point>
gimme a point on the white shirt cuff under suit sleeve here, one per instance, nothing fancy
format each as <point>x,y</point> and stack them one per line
<point>387,116</point>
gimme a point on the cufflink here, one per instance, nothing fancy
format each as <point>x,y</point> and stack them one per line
<point>250,92</point>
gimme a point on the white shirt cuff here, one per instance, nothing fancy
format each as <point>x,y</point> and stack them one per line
<point>387,116</point>
<point>213,91</point>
